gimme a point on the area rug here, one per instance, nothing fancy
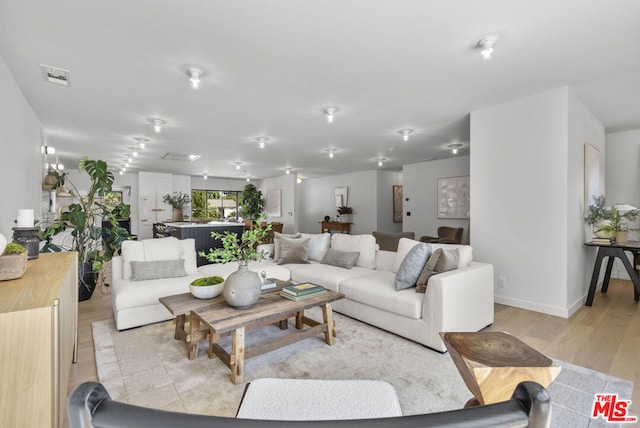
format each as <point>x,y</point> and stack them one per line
<point>146,366</point>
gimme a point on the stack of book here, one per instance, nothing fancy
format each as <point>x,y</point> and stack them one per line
<point>600,241</point>
<point>302,291</point>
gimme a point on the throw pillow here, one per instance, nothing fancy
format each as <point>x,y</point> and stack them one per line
<point>294,250</point>
<point>389,241</point>
<point>318,244</point>
<point>404,246</point>
<point>412,266</point>
<point>276,243</point>
<point>157,269</point>
<point>343,259</point>
<point>363,244</point>
<point>440,261</point>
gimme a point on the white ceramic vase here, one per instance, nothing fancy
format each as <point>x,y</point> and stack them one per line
<point>242,288</point>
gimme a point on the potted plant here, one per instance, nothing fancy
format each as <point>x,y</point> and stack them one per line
<point>242,288</point>
<point>13,262</point>
<point>610,221</point>
<point>344,214</point>
<point>252,204</point>
<point>206,288</point>
<point>82,219</point>
<point>177,200</point>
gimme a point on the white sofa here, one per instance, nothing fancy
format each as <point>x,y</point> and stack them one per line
<point>458,300</point>
<point>135,303</point>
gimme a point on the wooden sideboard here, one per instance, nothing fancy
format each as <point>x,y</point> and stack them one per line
<point>328,226</point>
<point>38,341</point>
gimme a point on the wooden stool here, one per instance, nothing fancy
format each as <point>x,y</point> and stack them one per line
<point>493,363</point>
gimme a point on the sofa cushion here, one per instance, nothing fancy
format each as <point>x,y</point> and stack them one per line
<point>156,269</point>
<point>135,294</point>
<point>318,245</point>
<point>441,260</point>
<point>412,265</point>
<point>389,241</point>
<point>294,250</point>
<point>326,275</point>
<point>343,259</point>
<point>378,290</point>
<point>162,249</point>
<point>276,242</point>
<point>131,251</point>
<point>363,244</point>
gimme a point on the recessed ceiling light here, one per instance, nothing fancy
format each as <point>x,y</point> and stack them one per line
<point>486,46</point>
<point>194,76</point>
<point>238,165</point>
<point>157,124</point>
<point>142,142</point>
<point>454,147</point>
<point>262,141</point>
<point>205,176</point>
<point>380,161</point>
<point>331,152</point>
<point>405,133</point>
<point>298,179</point>
<point>330,112</point>
<point>287,169</point>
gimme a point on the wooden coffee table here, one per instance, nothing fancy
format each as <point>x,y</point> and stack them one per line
<point>493,363</point>
<point>182,305</point>
<point>221,319</point>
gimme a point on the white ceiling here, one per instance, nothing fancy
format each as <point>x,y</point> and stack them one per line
<point>272,66</point>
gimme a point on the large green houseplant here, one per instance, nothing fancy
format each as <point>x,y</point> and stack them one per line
<point>251,202</point>
<point>83,218</point>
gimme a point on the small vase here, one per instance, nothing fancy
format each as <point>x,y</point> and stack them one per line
<point>242,288</point>
<point>177,214</point>
<point>622,237</point>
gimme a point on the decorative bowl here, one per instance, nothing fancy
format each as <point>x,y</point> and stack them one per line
<point>206,291</point>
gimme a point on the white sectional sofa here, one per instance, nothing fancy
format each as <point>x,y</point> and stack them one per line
<point>457,300</point>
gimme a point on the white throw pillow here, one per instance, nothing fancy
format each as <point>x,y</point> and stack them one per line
<point>318,245</point>
<point>189,251</point>
<point>404,246</point>
<point>363,244</point>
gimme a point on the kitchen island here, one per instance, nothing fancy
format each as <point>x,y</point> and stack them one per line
<point>201,232</point>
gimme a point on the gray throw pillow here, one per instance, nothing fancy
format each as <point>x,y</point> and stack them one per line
<point>156,269</point>
<point>440,261</point>
<point>294,251</point>
<point>412,266</point>
<point>343,259</point>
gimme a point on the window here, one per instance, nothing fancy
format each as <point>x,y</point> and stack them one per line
<point>214,204</point>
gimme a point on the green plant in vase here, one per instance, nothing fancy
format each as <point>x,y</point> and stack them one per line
<point>242,288</point>
<point>177,201</point>
<point>607,221</point>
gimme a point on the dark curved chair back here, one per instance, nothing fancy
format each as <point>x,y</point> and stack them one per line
<point>446,235</point>
<point>90,406</point>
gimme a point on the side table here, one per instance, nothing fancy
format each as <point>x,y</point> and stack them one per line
<point>493,363</point>
<point>328,226</point>
<point>612,251</point>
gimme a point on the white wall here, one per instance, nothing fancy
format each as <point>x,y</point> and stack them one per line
<point>213,183</point>
<point>526,198</point>
<point>21,165</point>
<point>583,128</point>
<point>317,200</point>
<point>622,174</point>
<point>420,186</point>
<point>386,181</point>
<point>287,184</point>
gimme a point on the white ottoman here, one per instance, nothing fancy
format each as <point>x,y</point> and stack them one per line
<point>309,399</point>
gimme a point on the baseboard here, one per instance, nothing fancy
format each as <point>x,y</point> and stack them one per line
<point>537,307</point>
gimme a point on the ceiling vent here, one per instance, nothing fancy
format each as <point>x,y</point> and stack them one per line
<point>178,157</point>
<point>55,75</point>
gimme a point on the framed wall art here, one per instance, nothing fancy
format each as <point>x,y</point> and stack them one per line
<point>273,203</point>
<point>397,204</point>
<point>453,197</point>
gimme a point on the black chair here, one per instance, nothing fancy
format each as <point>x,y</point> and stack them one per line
<point>90,406</point>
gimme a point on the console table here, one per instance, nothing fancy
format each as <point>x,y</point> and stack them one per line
<point>612,251</point>
<point>328,226</point>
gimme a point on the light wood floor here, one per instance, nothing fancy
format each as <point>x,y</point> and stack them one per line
<point>604,337</point>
